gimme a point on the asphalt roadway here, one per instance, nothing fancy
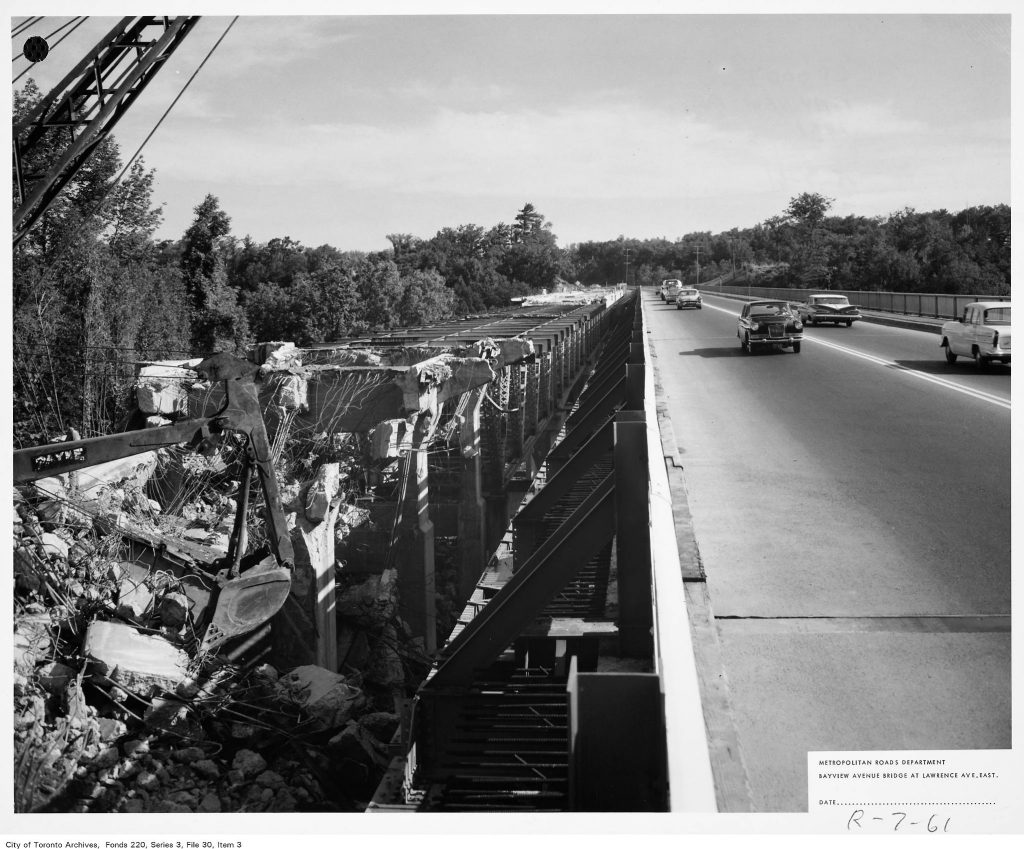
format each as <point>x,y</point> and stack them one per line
<point>851,505</point>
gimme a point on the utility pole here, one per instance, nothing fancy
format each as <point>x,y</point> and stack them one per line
<point>698,265</point>
<point>627,266</point>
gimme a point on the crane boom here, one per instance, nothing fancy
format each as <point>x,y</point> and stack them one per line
<point>88,102</point>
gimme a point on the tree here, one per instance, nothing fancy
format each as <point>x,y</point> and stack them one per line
<point>276,314</point>
<point>466,258</point>
<point>809,208</point>
<point>278,261</point>
<point>221,325</point>
<point>129,217</point>
<point>199,256</point>
<point>528,222</point>
<point>809,262</point>
<point>379,289</point>
<point>402,246</point>
<point>218,321</point>
<point>533,259</point>
<point>426,299</point>
<point>89,297</point>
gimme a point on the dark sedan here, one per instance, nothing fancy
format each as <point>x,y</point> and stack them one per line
<point>769,324</point>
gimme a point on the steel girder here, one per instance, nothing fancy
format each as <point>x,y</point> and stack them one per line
<point>579,539</point>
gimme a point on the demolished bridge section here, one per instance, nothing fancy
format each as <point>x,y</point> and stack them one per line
<point>451,422</point>
<point>400,459</point>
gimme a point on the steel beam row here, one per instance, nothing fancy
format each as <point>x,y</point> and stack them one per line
<point>481,740</point>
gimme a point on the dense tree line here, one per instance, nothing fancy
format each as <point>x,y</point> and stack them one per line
<point>967,252</point>
<point>95,293</point>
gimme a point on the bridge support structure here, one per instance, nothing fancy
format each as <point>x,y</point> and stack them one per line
<point>557,639</point>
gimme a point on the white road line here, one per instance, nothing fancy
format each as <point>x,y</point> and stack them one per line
<point>930,378</point>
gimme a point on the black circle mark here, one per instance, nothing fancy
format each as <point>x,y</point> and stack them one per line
<point>36,49</point>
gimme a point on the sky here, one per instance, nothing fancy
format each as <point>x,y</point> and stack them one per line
<point>341,129</point>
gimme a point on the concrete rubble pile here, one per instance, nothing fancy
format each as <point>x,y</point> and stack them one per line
<point>115,711</point>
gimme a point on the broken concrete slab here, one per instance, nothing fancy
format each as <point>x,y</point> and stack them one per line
<point>322,492</point>
<point>173,716</point>
<point>346,357</point>
<point>54,677</point>
<point>467,374</point>
<point>349,400</point>
<point>249,763</point>
<point>174,609</point>
<point>134,600</point>
<point>326,696</point>
<point>94,481</point>
<point>504,352</point>
<point>128,574</point>
<point>163,398</point>
<point>371,601</point>
<point>390,439</point>
<point>53,544</point>
<point>141,663</point>
<point>291,391</point>
<point>277,356</point>
<point>161,388</point>
<point>354,743</point>
<point>33,641</point>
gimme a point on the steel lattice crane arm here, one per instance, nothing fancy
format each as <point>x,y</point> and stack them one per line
<point>88,102</point>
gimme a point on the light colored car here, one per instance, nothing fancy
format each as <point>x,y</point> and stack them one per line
<point>688,297</point>
<point>835,309</point>
<point>769,324</point>
<point>669,288</point>
<point>981,333</point>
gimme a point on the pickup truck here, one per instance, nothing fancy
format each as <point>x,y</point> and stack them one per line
<point>981,333</point>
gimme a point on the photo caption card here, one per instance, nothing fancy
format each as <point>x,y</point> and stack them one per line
<point>913,792</point>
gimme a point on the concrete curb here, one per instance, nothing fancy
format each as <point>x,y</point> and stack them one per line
<point>731,785</point>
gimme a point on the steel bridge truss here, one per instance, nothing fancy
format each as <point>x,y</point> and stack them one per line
<point>523,711</point>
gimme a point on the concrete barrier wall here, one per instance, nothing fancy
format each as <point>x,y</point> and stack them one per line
<point>902,303</point>
<point>691,784</point>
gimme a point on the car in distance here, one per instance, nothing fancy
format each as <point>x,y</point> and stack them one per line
<point>669,288</point>
<point>769,324</point>
<point>835,309</point>
<point>981,333</point>
<point>688,297</point>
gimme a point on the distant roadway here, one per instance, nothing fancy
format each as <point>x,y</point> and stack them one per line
<point>851,504</point>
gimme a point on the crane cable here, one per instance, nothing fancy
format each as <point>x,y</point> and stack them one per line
<point>76,26</point>
<point>25,25</point>
<point>49,35</point>
<point>156,126</point>
<point>104,198</point>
